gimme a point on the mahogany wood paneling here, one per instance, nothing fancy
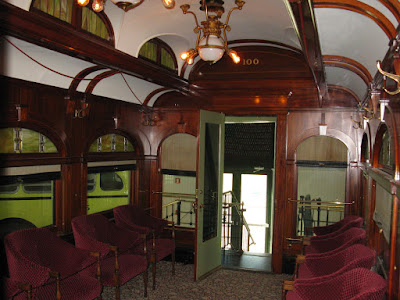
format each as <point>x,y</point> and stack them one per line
<point>280,212</point>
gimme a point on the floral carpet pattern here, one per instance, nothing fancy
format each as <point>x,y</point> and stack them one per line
<point>224,284</point>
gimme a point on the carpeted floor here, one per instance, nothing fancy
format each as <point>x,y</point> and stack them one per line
<point>223,284</point>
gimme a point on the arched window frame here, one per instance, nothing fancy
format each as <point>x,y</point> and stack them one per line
<point>161,45</point>
<point>383,128</point>
<point>76,21</point>
<point>365,149</point>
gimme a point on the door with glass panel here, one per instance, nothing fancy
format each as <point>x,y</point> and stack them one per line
<point>209,193</point>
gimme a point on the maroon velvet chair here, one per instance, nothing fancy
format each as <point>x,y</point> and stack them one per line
<point>52,266</point>
<point>116,246</point>
<point>355,256</point>
<point>338,227</point>
<point>355,284</point>
<point>136,219</point>
<point>327,246</point>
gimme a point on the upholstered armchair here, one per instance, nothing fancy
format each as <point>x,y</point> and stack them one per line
<point>338,227</point>
<point>358,283</point>
<point>117,247</point>
<point>49,267</point>
<point>355,256</point>
<point>136,219</point>
<point>336,243</point>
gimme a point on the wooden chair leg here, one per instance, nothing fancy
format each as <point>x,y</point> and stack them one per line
<point>154,268</point>
<point>145,280</point>
<point>173,262</point>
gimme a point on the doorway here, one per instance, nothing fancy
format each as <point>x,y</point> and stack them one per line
<point>248,192</point>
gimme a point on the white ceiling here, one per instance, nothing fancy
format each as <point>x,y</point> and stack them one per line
<point>341,32</point>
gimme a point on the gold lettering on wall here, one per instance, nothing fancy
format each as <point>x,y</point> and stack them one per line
<point>251,61</point>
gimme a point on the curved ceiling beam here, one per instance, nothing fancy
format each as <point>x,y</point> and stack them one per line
<point>344,89</point>
<point>363,9</point>
<point>349,64</point>
<point>81,76</point>
<point>152,94</point>
<point>393,6</point>
<point>98,78</point>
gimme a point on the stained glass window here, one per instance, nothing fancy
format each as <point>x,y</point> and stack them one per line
<point>22,140</point>
<point>65,10</point>
<point>112,143</point>
<point>160,53</point>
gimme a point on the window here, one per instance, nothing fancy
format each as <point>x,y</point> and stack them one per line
<point>81,18</point>
<point>159,53</point>
<point>107,190</point>
<point>112,143</point>
<point>22,140</point>
<point>29,200</point>
<point>386,151</point>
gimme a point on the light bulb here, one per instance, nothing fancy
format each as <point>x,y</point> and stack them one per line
<point>169,4</point>
<point>234,56</point>
<point>190,61</point>
<point>98,5</point>
<point>82,2</point>
<point>184,55</point>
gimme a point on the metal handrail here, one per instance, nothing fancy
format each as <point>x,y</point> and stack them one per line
<point>168,194</point>
<point>178,201</point>
<point>240,213</point>
<point>322,202</point>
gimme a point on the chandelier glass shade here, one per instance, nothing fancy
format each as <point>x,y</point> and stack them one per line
<point>210,44</point>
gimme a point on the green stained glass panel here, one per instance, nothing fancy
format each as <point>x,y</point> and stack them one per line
<point>106,141</point>
<point>30,141</point>
<point>130,147</point>
<point>119,143</point>
<point>6,140</point>
<point>167,60</point>
<point>149,50</point>
<point>49,147</point>
<point>92,23</point>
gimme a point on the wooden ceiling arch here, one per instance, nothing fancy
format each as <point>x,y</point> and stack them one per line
<point>348,64</point>
<point>361,8</point>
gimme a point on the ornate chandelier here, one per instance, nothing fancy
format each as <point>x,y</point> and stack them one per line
<point>210,45</point>
<point>98,5</point>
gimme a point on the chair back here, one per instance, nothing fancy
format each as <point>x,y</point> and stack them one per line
<point>348,221</point>
<point>96,233</point>
<point>355,284</point>
<point>30,254</point>
<point>354,256</point>
<point>132,216</point>
<point>338,242</point>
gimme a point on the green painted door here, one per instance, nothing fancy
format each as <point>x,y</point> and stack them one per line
<point>209,193</point>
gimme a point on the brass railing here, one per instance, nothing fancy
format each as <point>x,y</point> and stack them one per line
<point>315,212</point>
<point>236,233</point>
<point>180,209</point>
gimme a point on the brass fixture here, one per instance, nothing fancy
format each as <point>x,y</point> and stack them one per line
<point>210,45</point>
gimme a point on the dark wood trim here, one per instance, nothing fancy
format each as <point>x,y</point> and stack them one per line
<point>349,64</point>
<point>304,19</point>
<point>393,6</point>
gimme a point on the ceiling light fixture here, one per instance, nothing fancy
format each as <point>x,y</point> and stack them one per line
<point>98,5</point>
<point>210,45</point>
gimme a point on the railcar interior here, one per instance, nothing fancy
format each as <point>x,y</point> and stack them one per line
<point>255,135</point>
